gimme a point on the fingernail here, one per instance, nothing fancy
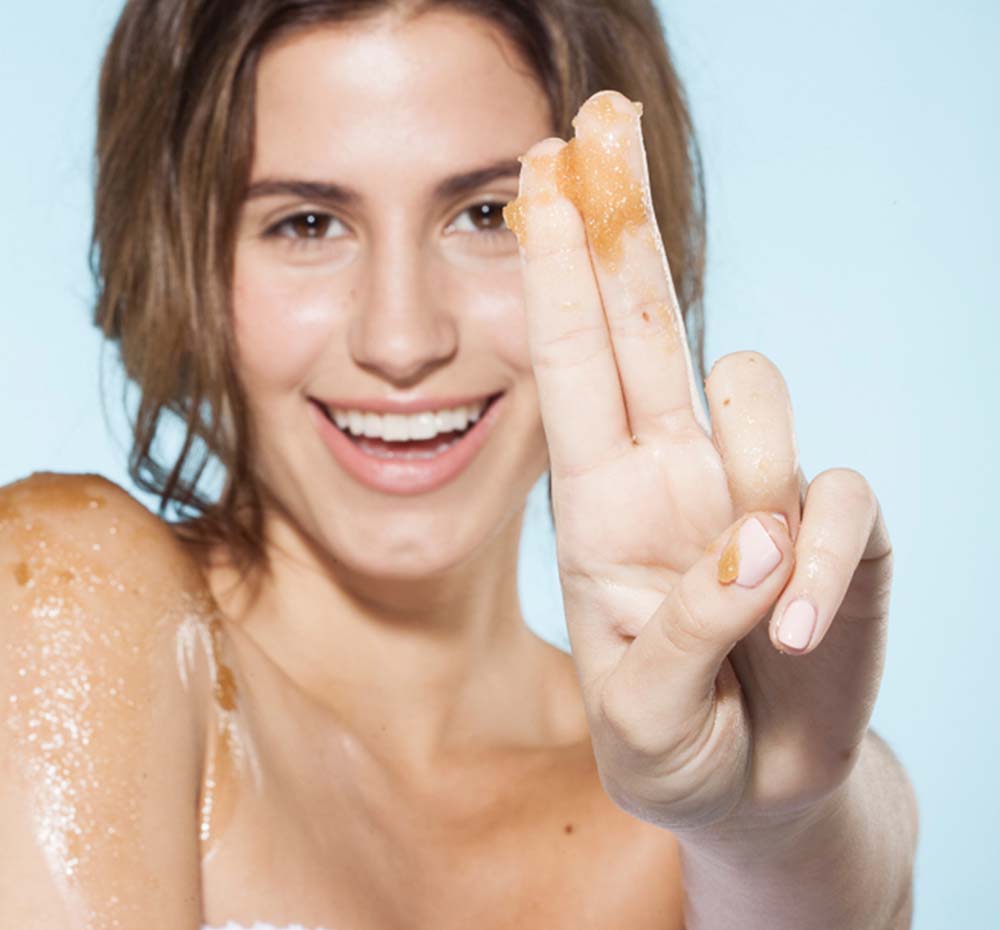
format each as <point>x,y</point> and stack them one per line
<point>750,557</point>
<point>797,623</point>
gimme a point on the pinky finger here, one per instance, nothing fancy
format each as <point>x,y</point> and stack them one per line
<point>842,569</point>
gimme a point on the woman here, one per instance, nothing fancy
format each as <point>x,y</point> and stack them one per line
<point>313,700</point>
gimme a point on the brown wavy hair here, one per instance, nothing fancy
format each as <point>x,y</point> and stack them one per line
<point>175,136</point>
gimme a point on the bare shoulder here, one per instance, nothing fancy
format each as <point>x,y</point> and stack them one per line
<point>48,515</point>
<point>103,688</point>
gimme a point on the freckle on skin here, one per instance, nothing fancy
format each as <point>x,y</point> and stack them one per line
<point>666,317</point>
<point>568,828</point>
<point>727,402</point>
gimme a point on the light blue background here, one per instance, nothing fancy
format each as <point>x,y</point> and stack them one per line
<point>852,153</point>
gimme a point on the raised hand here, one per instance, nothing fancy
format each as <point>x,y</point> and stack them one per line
<point>676,538</point>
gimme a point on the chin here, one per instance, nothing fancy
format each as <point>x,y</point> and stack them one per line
<point>399,542</point>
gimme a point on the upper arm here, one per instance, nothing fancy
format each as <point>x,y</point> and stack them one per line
<point>100,750</point>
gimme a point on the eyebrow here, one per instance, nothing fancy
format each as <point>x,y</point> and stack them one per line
<point>453,186</point>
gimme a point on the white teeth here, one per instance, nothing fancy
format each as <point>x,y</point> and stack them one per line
<point>397,427</point>
<point>394,427</point>
<point>422,426</point>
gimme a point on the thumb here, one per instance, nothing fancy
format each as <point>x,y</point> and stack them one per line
<point>658,696</point>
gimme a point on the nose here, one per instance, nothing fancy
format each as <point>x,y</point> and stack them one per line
<point>401,331</point>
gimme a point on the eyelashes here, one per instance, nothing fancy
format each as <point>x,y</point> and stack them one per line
<point>313,228</point>
<point>309,226</point>
<point>489,212</point>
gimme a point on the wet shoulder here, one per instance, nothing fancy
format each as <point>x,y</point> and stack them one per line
<point>76,522</point>
<point>104,681</point>
<point>83,561</point>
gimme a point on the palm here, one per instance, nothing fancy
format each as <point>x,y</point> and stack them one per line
<point>653,509</point>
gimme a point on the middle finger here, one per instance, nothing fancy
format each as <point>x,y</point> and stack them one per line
<point>608,181</point>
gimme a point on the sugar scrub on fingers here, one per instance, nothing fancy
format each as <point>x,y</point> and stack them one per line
<point>596,176</point>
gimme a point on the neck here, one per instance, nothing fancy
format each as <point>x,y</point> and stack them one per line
<point>418,669</point>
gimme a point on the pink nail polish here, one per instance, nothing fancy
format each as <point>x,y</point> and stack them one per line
<point>797,623</point>
<point>750,557</point>
<point>759,556</point>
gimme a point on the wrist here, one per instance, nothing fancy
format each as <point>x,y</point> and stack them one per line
<point>775,839</point>
<point>846,861</point>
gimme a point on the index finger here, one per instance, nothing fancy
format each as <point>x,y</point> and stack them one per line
<point>574,364</point>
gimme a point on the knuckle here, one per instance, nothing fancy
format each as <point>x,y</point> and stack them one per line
<point>685,627</point>
<point>745,373</point>
<point>741,360</point>
<point>848,485</point>
<point>825,561</point>
<point>621,714</point>
<point>716,376</point>
<point>575,345</point>
<point>642,730</point>
<point>680,424</point>
<point>878,552</point>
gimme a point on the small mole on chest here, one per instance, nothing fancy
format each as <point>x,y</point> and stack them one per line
<point>568,828</point>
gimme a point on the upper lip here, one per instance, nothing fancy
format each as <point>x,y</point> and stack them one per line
<point>404,405</point>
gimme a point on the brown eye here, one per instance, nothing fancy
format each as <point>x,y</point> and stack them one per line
<point>486,217</point>
<point>309,225</point>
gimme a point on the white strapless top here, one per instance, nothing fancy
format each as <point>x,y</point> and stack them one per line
<point>256,926</point>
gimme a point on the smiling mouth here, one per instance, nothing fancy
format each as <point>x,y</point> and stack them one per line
<point>403,437</point>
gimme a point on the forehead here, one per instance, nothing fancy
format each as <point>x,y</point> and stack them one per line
<point>426,95</point>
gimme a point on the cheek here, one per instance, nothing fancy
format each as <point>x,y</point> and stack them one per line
<point>497,305</point>
<point>496,301</point>
<point>284,325</point>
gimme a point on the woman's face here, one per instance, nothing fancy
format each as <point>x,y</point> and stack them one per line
<point>374,274</point>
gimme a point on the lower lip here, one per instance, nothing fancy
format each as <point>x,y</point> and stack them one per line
<point>406,476</point>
